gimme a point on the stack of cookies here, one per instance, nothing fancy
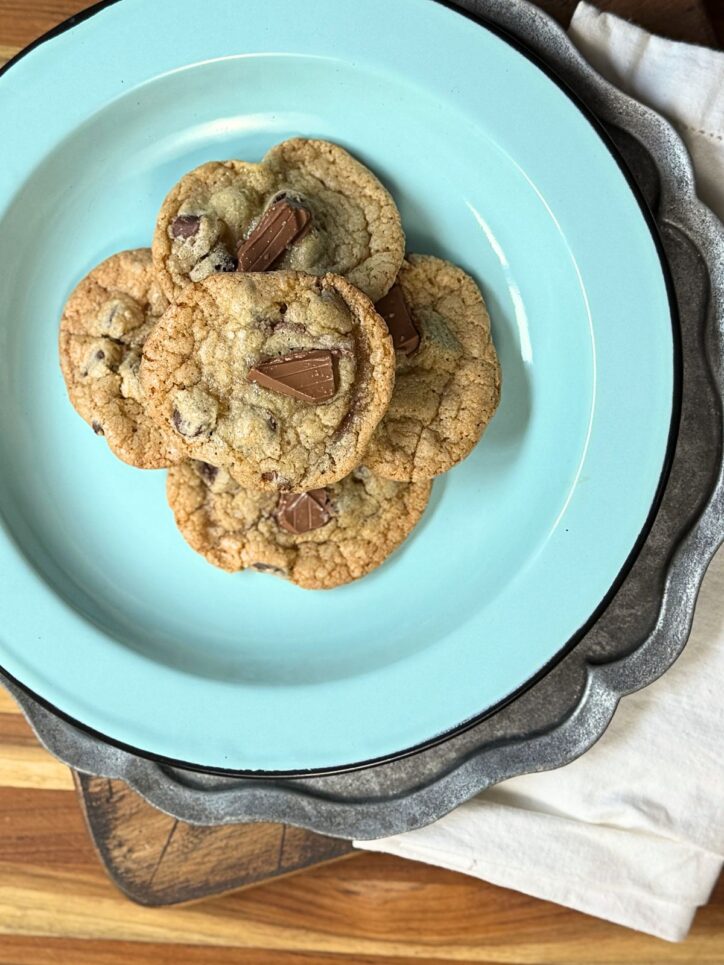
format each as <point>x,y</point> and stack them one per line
<point>301,378</point>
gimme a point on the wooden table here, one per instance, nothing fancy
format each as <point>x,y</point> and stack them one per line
<point>57,905</point>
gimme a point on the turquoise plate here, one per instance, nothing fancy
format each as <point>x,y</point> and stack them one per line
<point>105,613</point>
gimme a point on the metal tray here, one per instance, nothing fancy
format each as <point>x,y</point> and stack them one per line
<point>634,641</point>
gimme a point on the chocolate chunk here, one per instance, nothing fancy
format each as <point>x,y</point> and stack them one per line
<point>269,476</point>
<point>97,428</point>
<point>393,308</point>
<point>281,225</point>
<point>308,376</point>
<point>266,568</point>
<point>299,513</point>
<point>185,226</point>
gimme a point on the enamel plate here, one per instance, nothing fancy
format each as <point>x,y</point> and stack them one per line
<point>105,613</point>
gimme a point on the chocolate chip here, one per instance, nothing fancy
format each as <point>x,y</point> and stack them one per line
<point>109,319</point>
<point>293,197</point>
<point>119,315</point>
<point>185,226</point>
<point>185,428</point>
<point>224,261</point>
<point>194,412</point>
<point>97,428</point>
<point>265,568</point>
<point>283,308</point>
<point>272,423</point>
<point>104,356</point>
<point>207,471</point>
<point>269,476</point>
<point>216,260</point>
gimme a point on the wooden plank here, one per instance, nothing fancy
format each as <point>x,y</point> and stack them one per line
<point>44,828</point>
<point>24,766</point>
<point>157,860</point>
<point>54,898</point>
<point>44,951</point>
<point>21,21</point>
<point>7,702</point>
<point>16,730</point>
<point>23,762</point>
<point>374,907</point>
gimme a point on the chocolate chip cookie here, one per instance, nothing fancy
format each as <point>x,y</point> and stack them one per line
<point>448,378</point>
<point>102,331</point>
<point>308,206</point>
<point>318,540</point>
<point>280,377</point>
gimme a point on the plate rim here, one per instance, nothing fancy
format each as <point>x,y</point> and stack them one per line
<point>598,127</point>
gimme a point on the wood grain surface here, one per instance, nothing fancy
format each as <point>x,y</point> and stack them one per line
<point>158,860</point>
<point>58,906</point>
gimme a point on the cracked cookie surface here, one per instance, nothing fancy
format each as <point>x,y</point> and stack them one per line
<point>448,389</point>
<point>236,528</point>
<point>355,229</point>
<point>199,361</point>
<point>104,325</point>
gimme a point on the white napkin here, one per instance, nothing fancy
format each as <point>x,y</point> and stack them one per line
<point>633,831</point>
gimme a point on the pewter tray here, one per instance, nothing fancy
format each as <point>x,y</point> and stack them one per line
<point>636,639</point>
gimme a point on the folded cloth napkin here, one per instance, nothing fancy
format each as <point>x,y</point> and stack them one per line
<point>633,831</point>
